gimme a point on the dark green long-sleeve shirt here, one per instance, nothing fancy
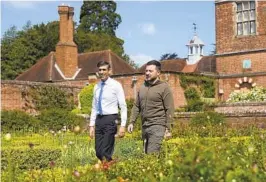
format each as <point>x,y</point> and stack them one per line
<point>155,103</point>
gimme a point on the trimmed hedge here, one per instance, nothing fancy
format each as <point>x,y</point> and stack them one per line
<point>18,121</point>
<point>25,159</point>
<point>56,119</point>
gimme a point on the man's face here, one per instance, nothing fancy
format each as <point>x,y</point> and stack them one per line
<point>151,73</point>
<point>103,72</point>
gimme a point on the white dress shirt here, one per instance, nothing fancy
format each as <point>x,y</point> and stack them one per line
<point>112,97</point>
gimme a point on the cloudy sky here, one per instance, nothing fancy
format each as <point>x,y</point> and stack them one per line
<point>149,28</point>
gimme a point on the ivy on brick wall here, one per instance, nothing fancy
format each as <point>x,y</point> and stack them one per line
<point>205,84</point>
<point>196,87</point>
<point>49,97</point>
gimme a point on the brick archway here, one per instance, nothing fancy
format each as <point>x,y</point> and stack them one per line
<point>245,83</point>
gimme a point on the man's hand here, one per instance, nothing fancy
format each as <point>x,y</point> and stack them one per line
<point>130,128</point>
<point>121,133</point>
<point>167,134</point>
<point>92,132</point>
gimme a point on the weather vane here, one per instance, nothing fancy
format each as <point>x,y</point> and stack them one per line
<point>195,28</point>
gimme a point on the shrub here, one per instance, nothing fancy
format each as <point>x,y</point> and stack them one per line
<point>191,94</point>
<point>85,97</point>
<point>48,97</point>
<point>55,119</point>
<point>194,106</point>
<point>17,121</point>
<point>256,94</point>
<point>28,158</point>
<point>207,118</point>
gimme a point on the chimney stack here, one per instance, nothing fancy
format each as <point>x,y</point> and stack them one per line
<point>66,49</point>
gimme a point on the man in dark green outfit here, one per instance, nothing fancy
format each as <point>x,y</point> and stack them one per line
<point>155,104</point>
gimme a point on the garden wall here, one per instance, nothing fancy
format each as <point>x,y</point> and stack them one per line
<point>236,114</point>
<point>13,97</point>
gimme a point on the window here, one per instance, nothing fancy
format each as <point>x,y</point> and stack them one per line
<point>246,18</point>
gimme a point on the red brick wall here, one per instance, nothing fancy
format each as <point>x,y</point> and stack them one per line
<point>226,38</point>
<point>12,90</point>
<point>228,84</point>
<point>234,64</point>
<point>12,96</point>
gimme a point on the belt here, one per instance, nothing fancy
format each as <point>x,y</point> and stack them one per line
<point>102,115</point>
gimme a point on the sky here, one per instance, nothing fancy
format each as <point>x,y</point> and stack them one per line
<point>149,28</point>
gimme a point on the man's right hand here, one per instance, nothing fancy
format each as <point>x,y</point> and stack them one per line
<point>92,132</point>
<point>130,128</point>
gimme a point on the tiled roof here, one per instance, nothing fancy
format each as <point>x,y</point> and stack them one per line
<point>207,64</point>
<point>175,65</point>
<point>44,70</point>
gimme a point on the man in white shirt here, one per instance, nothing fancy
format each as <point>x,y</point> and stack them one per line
<point>108,95</point>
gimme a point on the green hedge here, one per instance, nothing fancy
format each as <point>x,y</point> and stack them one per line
<point>56,119</point>
<point>48,97</point>
<point>18,121</point>
<point>26,159</point>
<point>85,97</point>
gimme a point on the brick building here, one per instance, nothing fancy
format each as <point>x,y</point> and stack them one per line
<point>240,62</point>
<point>240,45</point>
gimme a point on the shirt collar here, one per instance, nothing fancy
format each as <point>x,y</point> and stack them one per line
<point>106,81</point>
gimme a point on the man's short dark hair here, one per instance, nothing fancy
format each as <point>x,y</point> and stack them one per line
<point>155,63</point>
<point>103,63</point>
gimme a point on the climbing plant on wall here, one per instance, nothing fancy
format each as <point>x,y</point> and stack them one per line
<point>48,97</point>
<point>196,87</point>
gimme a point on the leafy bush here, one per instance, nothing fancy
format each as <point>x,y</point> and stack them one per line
<point>206,84</point>
<point>55,119</point>
<point>17,121</point>
<point>48,97</point>
<point>85,97</point>
<point>191,94</point>
<point>207,118</point>
<point>28,158</point>
<point>194,105</point>
<point>256,94</point>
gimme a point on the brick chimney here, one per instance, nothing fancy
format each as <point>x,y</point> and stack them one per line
<point>66,49</point>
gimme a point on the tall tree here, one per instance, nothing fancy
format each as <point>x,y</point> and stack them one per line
<point>168,56</point>
<point>99,17</point>
<point>96,31</point>
<point>21,49</point>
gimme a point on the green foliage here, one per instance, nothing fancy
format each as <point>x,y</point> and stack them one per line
<point>256,94</point>
<point>184,158</point>
<point>99,17</point>
<point>21,49</point>
<point>49,96</point>
<point>207,118</point>
<point>206,84</point>
<point>56,119</point>
<point>192,94</point>
<point>206,87</point>
<point>26,159</point>
<point>194,105</point>
<point>85,97</point>
<point>17,121</point>
<point>168,56</point>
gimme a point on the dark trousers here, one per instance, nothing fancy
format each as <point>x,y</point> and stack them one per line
<point>105,130</point>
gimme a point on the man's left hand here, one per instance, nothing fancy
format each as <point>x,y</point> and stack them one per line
<point>121,133</point>
<point>167,134</point>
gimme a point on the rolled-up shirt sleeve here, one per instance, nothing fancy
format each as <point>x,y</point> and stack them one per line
<point>93,108</point>
<point>122,104</point>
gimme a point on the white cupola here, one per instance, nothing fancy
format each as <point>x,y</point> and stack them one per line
<point>195,48</point>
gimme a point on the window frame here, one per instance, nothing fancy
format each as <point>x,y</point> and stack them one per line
<point>246,19</point>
